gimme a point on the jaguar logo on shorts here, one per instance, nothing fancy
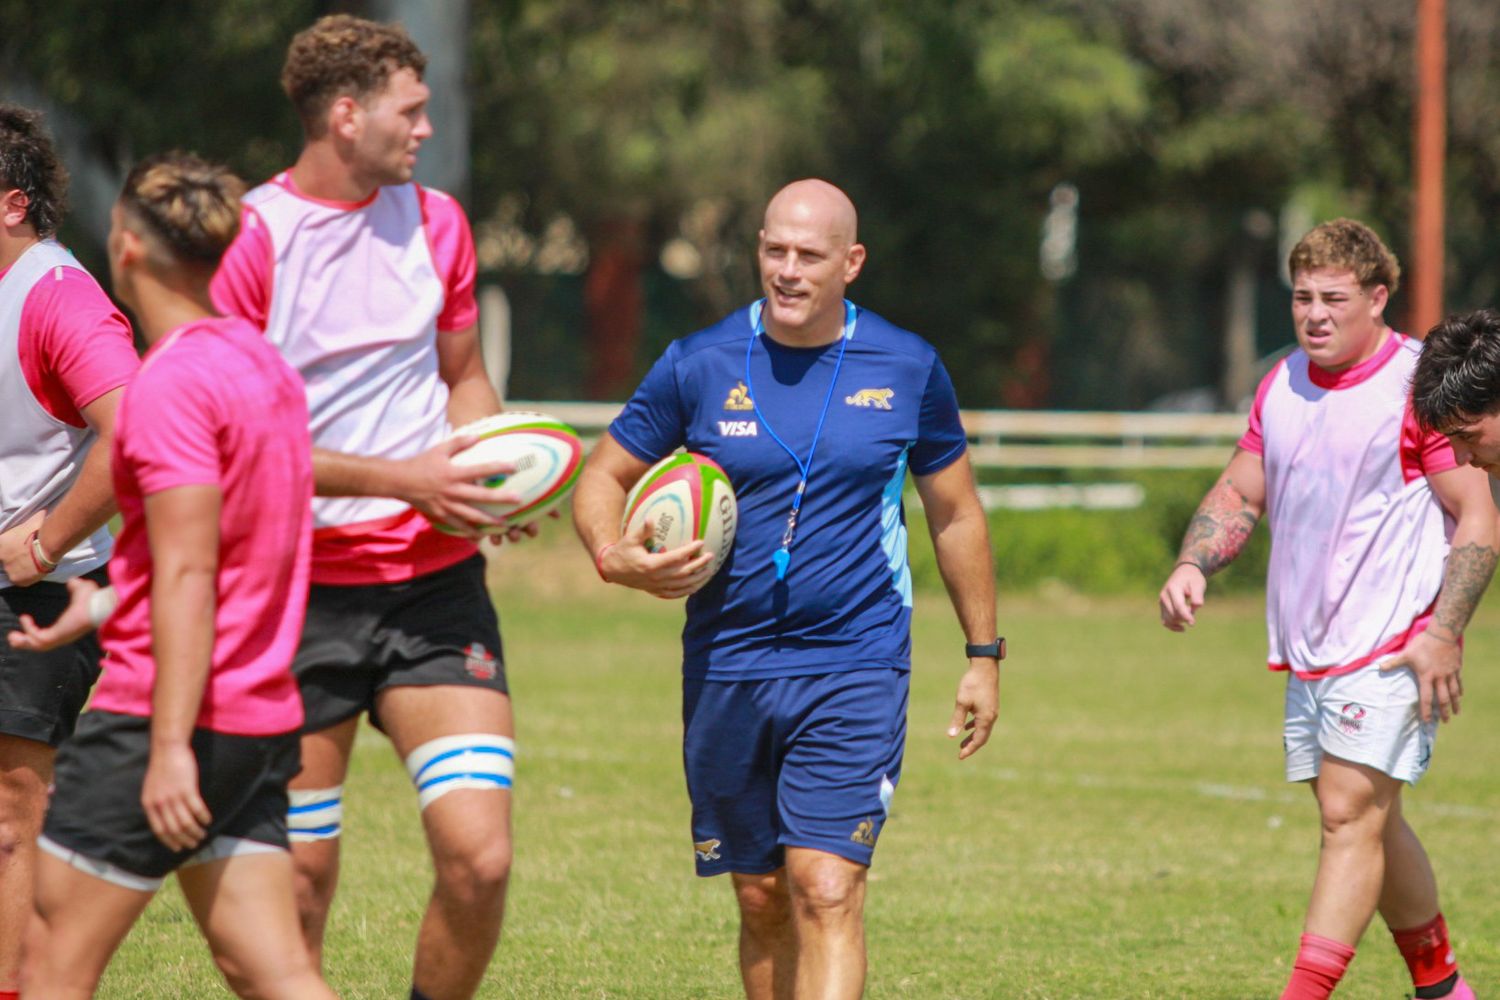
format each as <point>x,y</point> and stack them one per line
<point>879,399</point>
<point>479,662</point>
<point>707,850</point>
<point>864,833</point>
<point>1351,718</point>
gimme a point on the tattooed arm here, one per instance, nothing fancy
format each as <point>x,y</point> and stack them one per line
<point>1217,533</point>
<point>1434,655</point>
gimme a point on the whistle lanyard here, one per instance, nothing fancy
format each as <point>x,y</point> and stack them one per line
<point>782,557</point>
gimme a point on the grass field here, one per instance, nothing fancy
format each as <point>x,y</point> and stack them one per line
<point>1125,835</point>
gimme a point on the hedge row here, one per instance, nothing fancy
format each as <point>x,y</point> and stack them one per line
<point>1097,551</point>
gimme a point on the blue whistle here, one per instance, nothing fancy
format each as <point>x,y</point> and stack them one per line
<point>781,557</point>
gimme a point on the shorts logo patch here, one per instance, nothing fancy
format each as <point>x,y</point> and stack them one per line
<point>739,398</point>
<point>1351,718</point>
<point>879,399</point>
<point>864,833</point>
<point>707,850</point>
<point>479,662</point>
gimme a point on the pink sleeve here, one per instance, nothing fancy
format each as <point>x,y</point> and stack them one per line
<point>1252,440</point>
<point>1423,453</point>
<point>453,252</point>
<point>242,285</point>
<point>169,432</point>
<point>74,345</point>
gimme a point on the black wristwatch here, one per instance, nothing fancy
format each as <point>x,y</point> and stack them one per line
<point>995,649</point>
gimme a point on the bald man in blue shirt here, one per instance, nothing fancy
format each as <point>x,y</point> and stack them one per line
<point>797,654</point>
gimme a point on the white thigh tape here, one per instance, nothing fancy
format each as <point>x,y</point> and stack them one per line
<point>470,760</point>
<point>314,814</point>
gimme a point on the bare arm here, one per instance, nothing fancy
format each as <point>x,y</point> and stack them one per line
<point>87,505</point>
<point>599,506</point>
<point>1434,655</point>
<point>1472,555</point>
<point>1215,536</point>
<point>961,539</point>
<point>182,528</point>
<point>460,364</point>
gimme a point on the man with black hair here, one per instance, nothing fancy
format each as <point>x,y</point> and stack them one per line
<point>66,354</point>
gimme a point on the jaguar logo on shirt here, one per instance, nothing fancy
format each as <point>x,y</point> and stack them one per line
<point>738,429</point>
<point>877,399</point>
<point>739,398</point>
<point>707,850</point>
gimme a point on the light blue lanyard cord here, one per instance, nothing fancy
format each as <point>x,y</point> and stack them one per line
<point>782,557</point>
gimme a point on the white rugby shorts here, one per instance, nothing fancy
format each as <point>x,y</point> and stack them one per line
<point>1365,717</point>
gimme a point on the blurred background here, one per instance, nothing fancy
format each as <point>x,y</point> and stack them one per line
<point>1084,203</point>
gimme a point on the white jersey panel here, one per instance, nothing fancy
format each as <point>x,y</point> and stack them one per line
<point>355,296</point>
<point>40,455</point>
<point>1357,552</point>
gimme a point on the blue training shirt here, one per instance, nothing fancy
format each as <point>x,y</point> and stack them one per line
<point>846,600</point>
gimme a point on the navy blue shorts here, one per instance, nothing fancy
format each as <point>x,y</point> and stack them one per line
<point>791,762</point>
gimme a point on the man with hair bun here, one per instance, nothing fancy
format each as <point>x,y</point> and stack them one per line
<point>1381,546</point>
<point>183,760</point>
<point>365,282</point>
<point>66,354</point>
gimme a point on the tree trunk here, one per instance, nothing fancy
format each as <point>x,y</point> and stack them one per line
<point>615,301</point>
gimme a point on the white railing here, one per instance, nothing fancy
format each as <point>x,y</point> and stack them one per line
<point>1037,439</point>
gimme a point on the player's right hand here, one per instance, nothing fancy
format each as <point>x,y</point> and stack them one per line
<point>174,808</point>
<point>1181,596</point>
<point>669,575</point>
<point>445,492</point>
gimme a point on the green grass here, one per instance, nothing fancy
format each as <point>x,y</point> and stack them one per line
<point>1125,835</point>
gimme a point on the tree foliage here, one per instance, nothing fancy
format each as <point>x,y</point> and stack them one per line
<point>606,130</point>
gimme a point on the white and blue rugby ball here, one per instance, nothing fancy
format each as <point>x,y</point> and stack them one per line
<point>546,452</point>
<point>684,497</point>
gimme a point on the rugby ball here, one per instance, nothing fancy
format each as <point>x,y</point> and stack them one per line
<point>546,452</point>
<point>684,497</point>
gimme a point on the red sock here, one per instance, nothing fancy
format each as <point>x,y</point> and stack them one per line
<point>1426,949</point>
<point>1319,967</point>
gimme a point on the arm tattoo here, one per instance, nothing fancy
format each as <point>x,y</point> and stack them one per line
<point>1219,530</point>
<point>1469,570</point>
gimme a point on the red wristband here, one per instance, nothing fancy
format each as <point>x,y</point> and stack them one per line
<point>599,559</point>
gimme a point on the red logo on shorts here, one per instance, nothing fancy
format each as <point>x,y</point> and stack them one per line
<point>1351,718</point>
<point>479,662</point>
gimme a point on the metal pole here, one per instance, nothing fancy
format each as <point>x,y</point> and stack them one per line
<point>1431,141</point>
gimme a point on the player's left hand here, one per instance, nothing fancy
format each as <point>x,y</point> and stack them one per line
<point>177,813</point>
<point>73,624</point>
<point>977,705</point>
<point>15,552</point>
<point>1438,664</point>
<point>523,532</point>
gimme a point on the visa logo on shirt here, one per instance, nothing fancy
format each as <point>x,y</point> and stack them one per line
<point>738,428</point>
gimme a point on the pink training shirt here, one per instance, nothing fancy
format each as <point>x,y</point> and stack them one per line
<point>74,346</point>
<point>63,345</point>
<point>1359,541</point>
<point>355,295</point>
<point>215,405</point>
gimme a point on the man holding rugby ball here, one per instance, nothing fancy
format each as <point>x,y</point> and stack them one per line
<point>365,282</point>
<point>796,654</point>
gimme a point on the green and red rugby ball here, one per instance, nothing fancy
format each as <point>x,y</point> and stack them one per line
<point>684,497</point>
<point>546,452</point>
